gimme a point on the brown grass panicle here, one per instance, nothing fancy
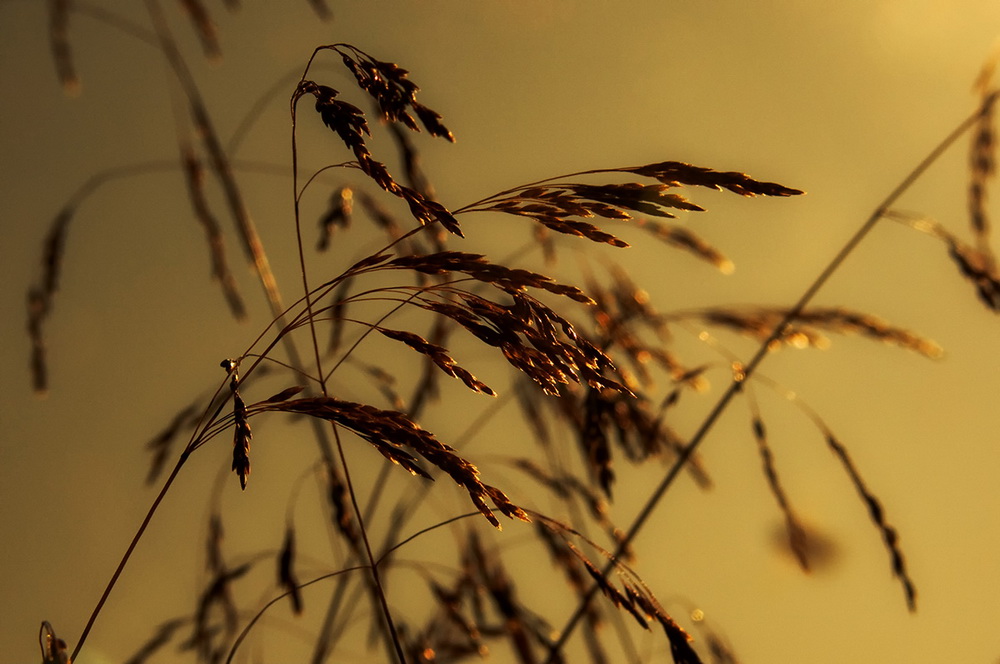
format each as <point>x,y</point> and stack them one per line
<point>559,205</point>
<point>395,94</point>
<point>876,512</point>
<point>633,597</point>
<point>982,157</point>
<point>241,425</point>
<point>804,330</point>
<point>603,420</point>
<point>478,267</point>
<point>389,85</point>
<point>350,124</point>
<point>974,263</point>
<point>531,336</point>
<point>440,357</point>
<point>389,431</point>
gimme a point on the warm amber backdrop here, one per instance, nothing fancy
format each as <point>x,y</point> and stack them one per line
<point>840,99</point>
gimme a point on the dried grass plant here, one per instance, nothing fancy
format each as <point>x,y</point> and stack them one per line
<point>583,357</point>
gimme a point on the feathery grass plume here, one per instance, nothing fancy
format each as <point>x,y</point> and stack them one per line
<point>980,269</point>
<point>204,27</point>
<point>981,168</point>
<point>877,514</point>
<point>599,416</point>
<point>621,314</point>
<point>680,641</point>
<point>595,396</point>
<point>241,425</point>
<point>195,181</point>
<point>676,173</point>
<point>977,266</point>
<point>59,43</point>
<point>804,330</point>
<point>573,569</point>
<point>187,417</point>
<point>559,206</point>
<point>388,431</point>
<point>286,573</point>
<point>389,85</point>
<point>845,321</point>
<point>440,357</point>
<point>350,124</point>
<point>531,336</point>
<point>338,214</point>
<point>53,648</point>
<point>686,240</point>
<point>797,535</point>
<point>478,267</point>
<point>634,597</point>
<point>427,387</point>
<point>554,210</point>
<point>551,362</point>
<point>982,155</point>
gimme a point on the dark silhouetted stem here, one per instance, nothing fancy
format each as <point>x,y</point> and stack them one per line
<point>128,554</point>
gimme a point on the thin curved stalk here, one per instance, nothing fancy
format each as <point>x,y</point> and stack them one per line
<point>392,637</point>
<point>128,554</point>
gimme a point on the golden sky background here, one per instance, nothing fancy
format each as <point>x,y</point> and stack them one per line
<point>840,100</point>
